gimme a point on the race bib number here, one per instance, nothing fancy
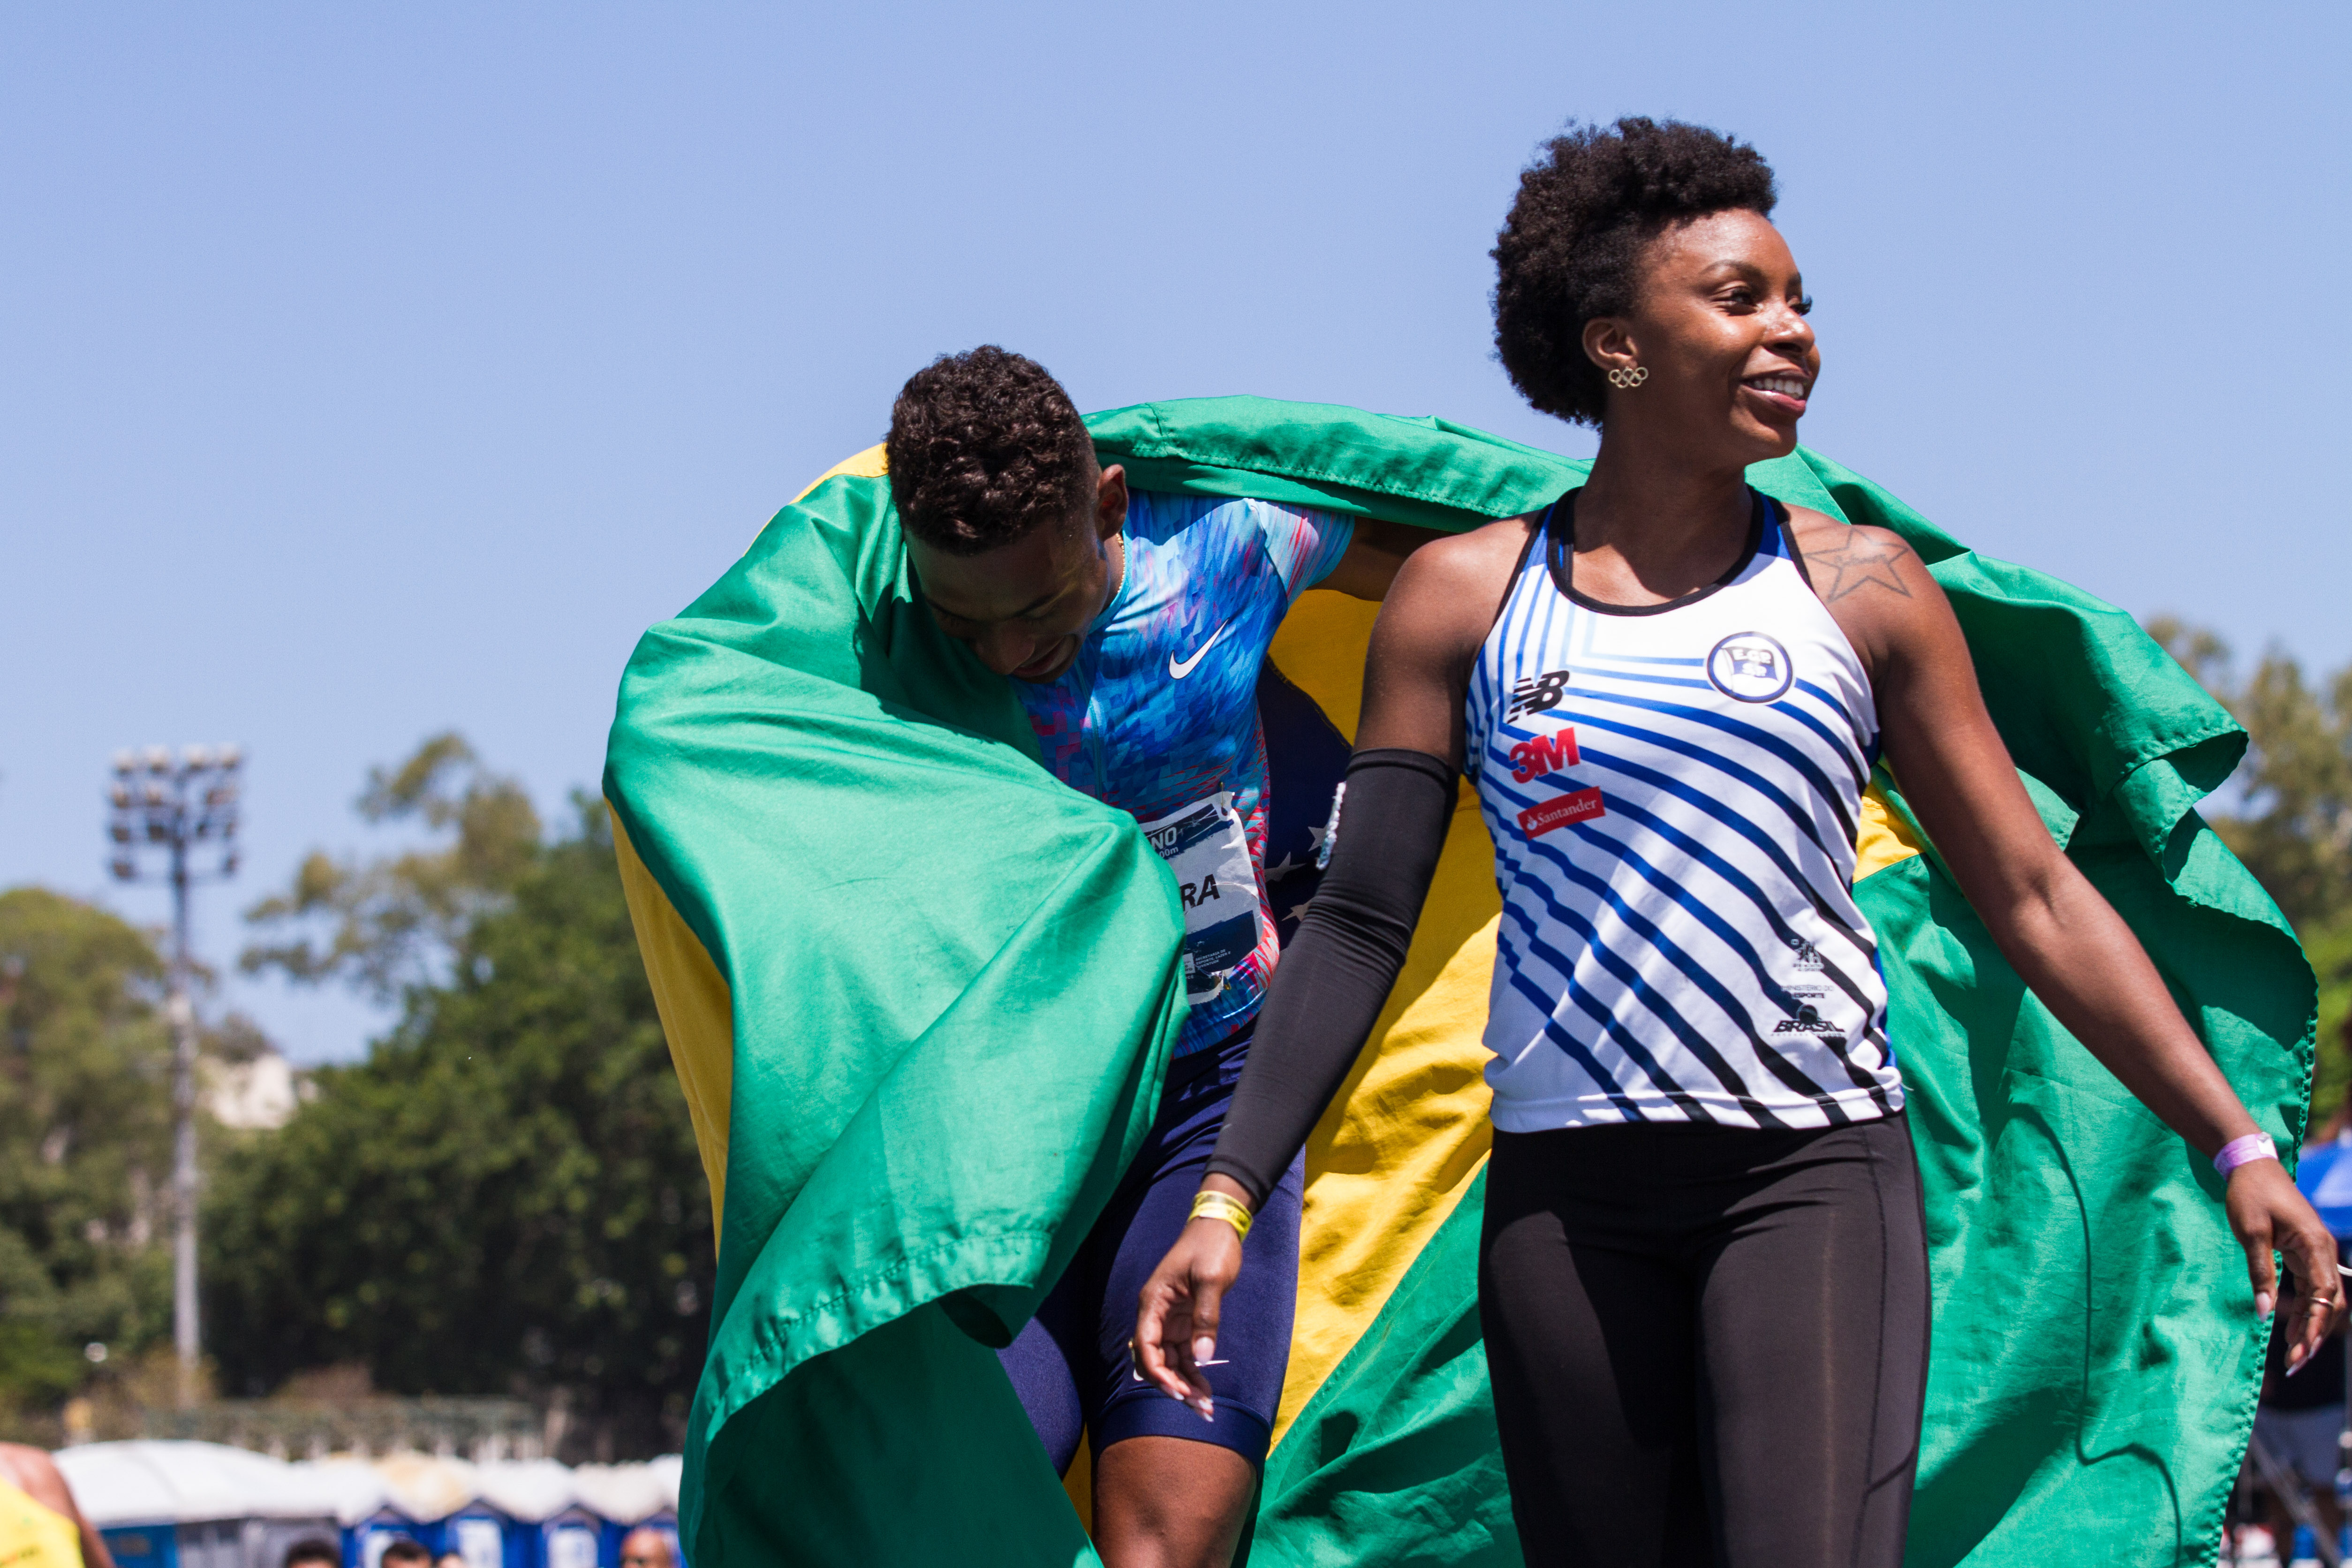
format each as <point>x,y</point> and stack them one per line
<point>1207,848</point>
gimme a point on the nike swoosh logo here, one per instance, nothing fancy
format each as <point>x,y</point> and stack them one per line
<point>1178,668</point>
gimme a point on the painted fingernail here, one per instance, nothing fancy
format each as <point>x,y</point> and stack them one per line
<point>2294,1364</point>
<point>1203,1348</point>
<point>2263,1303</point>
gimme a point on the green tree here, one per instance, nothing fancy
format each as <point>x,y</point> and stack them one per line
<point>379,925</point>
<point>504,1196</point>
<point>2294,828</point>
<point>85,1143</point>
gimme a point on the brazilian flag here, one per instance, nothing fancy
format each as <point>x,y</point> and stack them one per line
<point>920,996</point>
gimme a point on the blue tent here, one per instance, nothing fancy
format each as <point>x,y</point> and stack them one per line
<point>2325,1177</point>
<point>570,1538</point>
<point>363,1543</point>
<point>485,1536</point>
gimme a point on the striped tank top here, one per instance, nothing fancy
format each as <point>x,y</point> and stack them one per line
<point>1673,792</point>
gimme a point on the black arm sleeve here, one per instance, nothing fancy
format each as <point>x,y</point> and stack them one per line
<point>1332,982</point>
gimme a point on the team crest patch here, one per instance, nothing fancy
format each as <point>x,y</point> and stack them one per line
<point>1559,811</point>
<point>1750,667</point>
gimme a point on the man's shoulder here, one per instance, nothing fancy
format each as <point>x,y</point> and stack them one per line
<point>1165,515</point>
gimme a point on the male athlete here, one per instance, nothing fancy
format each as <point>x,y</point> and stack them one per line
<point>1134,625</point>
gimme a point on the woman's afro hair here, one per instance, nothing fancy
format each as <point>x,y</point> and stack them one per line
<point>1572,247</point>
<point>984,446</point>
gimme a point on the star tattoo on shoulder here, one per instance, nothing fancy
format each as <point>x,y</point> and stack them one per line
<point>1862,563</point>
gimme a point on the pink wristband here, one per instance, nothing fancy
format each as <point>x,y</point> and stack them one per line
<point>2244,1151</point>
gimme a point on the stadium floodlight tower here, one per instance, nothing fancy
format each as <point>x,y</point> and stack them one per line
<point>180,810</point>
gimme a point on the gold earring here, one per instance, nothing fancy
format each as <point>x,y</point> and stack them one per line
<point>1629,379</point>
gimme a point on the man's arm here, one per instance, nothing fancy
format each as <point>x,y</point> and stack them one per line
<point>1375,553</point>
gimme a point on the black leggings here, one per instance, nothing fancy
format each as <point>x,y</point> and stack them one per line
<point>1708,1344</point>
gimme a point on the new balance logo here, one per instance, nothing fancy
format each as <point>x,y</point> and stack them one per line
<point>1544,754</point>
<point>1537,694</point>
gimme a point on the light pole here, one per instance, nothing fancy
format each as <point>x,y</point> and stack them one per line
<point>185,808</point>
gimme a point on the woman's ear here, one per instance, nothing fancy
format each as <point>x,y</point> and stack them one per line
<point>1609,343</point>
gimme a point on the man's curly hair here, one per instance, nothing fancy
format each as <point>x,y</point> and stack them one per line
<point>984,446</point>
<point>1571,249</point>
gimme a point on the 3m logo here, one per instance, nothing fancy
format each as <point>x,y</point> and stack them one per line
<point>1544,754</point>
<point>1537,694</point>
<point>1539,820</point>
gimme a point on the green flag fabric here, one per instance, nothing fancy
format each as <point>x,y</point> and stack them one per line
<point>920,995</point>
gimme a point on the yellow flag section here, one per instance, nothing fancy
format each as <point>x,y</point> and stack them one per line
<point>697,1012</point>
<point>1409,1131</point>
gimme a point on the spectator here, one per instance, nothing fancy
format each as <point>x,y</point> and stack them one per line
<point>2299,1420</point>
<point>403,1552</point>
<point>314,1551</point>
<point>646,1547</point>
<point>41,1526</point>
<point>452,1560</point>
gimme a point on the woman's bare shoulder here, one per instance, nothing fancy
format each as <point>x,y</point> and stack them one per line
<point>1842,558</point>
<point>1450,588</point>
<point>1475,558</point>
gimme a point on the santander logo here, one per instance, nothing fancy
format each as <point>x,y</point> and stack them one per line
<point>1559,811</point>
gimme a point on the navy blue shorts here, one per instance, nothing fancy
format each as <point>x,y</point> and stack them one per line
<point>1069,1364</point>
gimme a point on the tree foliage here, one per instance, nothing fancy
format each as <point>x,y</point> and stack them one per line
<point>504,1196</point>
<point>2293,828</point>
<point>85,1142</point>
<point>379,925</point>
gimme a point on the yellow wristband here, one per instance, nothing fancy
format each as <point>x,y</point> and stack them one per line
<point>1216,1206</point>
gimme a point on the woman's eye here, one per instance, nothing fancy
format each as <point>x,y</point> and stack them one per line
<point>1740,299</point>
<point>1805,305</point>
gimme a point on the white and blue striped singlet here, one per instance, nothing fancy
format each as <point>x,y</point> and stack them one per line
<point>1673,792</point>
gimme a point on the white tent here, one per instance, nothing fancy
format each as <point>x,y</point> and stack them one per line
<point>157,1482</point>
<point>628,1493</point>
<point>229,1508</point>
<point>354,1487</point>
<point>423,1487</point>
<point>531,1490</point>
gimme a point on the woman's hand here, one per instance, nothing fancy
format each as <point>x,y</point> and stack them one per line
<point>2269,1216</point>
<point>1176,1312</point>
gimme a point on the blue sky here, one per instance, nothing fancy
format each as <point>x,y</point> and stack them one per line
<point>366,371</point>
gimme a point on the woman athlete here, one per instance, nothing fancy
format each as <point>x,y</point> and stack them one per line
<point>1703,1276</point>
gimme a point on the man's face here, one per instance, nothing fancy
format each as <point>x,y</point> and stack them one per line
<point>1024,608</point>
<point>645,1548</point>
